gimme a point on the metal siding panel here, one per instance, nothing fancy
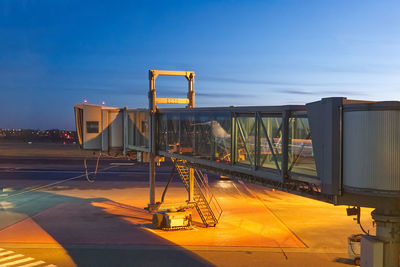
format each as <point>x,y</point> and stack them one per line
<point>91,140</point>
<point>371,150</point>
<point>324,118</point>
<point>104,134</point>
<point>115,129</point>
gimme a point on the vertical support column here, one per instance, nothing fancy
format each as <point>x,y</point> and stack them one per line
<point>256,141</point>
<point>388,231</point>
<point>233,139</point>
<point>152,163</point>
<point>285,144</point>
<point>152,92</point>
<point>191,185</point>
<point>125,130</point>
<point>191,93</point>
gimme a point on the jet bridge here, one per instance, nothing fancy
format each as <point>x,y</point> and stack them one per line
<point>345,152</point>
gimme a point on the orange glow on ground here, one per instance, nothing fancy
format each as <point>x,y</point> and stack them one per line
<point>26,231</point>
<point>242,224</point>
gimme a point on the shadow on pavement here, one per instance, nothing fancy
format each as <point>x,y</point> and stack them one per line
<point>345,261</point>
<point>91,232</point>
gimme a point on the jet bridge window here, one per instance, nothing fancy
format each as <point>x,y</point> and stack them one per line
<point>92,127</point>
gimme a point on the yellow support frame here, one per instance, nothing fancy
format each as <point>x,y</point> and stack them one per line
<point>153,100</point>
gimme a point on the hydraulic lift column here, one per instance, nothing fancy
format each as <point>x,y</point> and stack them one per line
<point>152,150</point>
<point>388,231</point>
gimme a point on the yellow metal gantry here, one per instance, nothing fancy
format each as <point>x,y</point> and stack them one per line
<point>153,101</point>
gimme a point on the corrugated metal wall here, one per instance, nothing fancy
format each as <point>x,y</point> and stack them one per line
<point>371,149</point>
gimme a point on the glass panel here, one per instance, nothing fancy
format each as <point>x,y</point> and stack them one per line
<point>246,128</point>
<point>173,132</point>
<point>221,134</point>
<point>201,134</point>
<point>92,127</point>
<point>271,128</point>
<point>204,139</point>
<point>301,156</point>
<point>162,132</point>
<point>212,138</point>
<point>187,140</point>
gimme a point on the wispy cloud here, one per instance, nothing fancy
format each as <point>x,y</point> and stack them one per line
<point>248,81</point>
<point>319,92</point>
<point>225,95</point>
<point>277,82</point>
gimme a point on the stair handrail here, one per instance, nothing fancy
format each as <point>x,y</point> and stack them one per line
<point>210,193</point>
<point>215,212</point>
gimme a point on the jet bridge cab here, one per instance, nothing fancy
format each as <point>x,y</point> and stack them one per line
<point>99,128</point>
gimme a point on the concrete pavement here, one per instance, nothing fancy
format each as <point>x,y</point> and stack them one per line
<point>76,223</point>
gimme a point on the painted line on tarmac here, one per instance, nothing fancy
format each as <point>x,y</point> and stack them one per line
<point>76,172</point>
<point>160,231</point>
<point>11,258</point>
<point>51,184</point>
<point>121,164</point>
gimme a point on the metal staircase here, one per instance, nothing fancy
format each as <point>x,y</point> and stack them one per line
<point>207,205</point>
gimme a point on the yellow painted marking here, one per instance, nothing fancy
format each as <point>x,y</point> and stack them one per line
<point>17,262</point>
<point>36,263</point>
<point>11,257</point>
<point>6,253</point>
<point>172,101</point>
<point>8,189</point>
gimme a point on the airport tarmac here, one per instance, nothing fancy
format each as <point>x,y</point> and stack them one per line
<point>50,214</point>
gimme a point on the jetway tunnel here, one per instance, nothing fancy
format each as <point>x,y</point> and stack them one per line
<point>345,152</point>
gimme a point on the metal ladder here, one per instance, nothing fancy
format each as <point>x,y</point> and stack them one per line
<point>207,205</point>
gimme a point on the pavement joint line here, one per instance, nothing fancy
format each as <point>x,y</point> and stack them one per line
<point>272,213</point>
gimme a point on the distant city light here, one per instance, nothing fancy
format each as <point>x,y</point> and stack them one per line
<point>85,101</point>
<point>103,103</point>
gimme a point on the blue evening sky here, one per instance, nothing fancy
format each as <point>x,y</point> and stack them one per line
<point>54,54</point>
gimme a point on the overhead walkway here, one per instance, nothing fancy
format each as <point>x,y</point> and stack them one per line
<point>340,151</point>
